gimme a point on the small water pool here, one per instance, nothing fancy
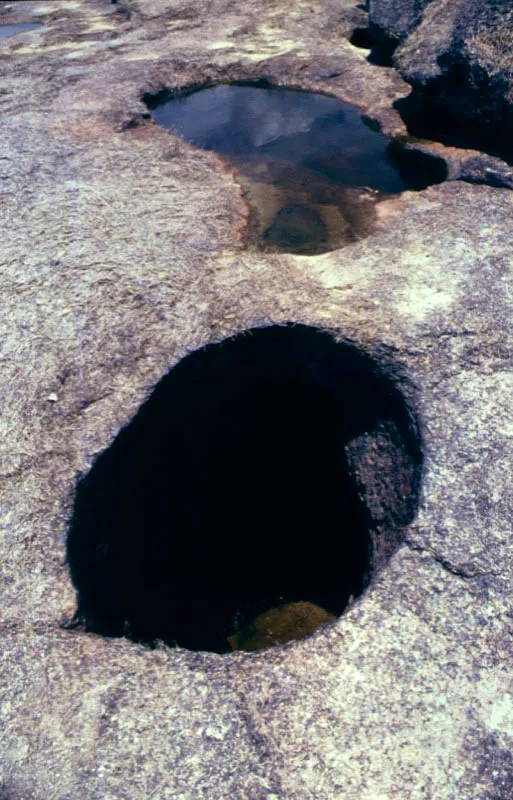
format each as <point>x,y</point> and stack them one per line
<point>311,167</point>
<point>22,27</point>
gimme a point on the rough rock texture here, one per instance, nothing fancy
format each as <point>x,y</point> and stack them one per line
<point>393,20</point>
<point>460,61</point>
<point>121,250</point>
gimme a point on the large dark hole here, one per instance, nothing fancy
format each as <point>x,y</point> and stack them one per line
<point>272,471</point>
<point>311,166</point>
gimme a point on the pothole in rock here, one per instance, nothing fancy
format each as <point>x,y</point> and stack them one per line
<point>381,51</point>
<point>22,27</point>
<point>312,168</point>
<point>253,496</point>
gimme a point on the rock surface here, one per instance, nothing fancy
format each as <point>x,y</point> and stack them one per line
<point>121,250</point>
<point>458,56</point>
<point>393,20</point>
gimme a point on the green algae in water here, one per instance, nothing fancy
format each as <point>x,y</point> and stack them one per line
<point>311,168</point>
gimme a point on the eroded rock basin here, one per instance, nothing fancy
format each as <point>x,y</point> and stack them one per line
<point>206,511</point>
<point>311,167</point>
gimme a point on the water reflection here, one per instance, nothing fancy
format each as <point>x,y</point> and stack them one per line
<point>311,168</point>
<point>22,27</point>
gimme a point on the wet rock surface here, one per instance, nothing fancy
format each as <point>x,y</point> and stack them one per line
<point>121,251</point>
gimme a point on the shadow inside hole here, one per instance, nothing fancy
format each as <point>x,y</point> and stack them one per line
<point>231,492</point>
<point>381,50</point>
<point>417,164</point>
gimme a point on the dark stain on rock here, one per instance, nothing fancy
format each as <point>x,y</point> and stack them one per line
<point>491,773</point>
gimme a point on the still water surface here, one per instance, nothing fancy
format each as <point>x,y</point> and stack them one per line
<point>22,27</point>
<point>311,168</point>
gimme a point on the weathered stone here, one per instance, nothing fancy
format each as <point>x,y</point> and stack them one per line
<point>460,61</point>
<point>394,20</point>
<point>281,625</point>
<point>464,163</point>
<point>122,250</point>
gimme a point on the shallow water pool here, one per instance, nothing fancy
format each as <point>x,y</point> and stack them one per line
<point>312,168</point>
<point>22,27</point>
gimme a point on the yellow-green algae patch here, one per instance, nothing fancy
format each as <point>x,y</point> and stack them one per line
<point>280,625</point>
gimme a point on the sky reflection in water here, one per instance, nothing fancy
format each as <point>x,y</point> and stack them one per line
<point>312,151</point>
<point>22,27</point>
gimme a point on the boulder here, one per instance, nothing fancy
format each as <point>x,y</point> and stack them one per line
<point>394,20</point>
<point>459,60</point>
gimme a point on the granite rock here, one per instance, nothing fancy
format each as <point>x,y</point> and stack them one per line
<point>122,249</point>
<point>459,60</point>
<point>393,20</point>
